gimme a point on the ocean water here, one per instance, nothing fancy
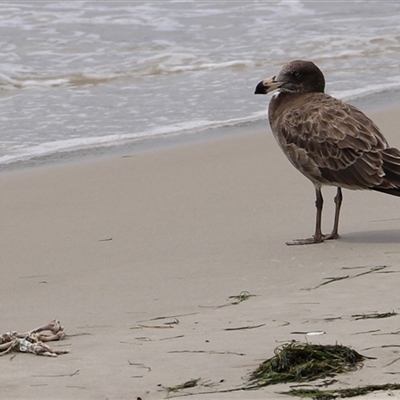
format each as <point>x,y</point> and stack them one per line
<point>82,74</point>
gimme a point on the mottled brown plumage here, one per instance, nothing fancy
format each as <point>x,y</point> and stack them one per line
<point>327,140</point>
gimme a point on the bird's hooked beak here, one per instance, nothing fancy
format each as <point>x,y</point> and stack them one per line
<point>268,85</point>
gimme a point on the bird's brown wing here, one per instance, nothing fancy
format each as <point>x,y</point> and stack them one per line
<point>342,143</point>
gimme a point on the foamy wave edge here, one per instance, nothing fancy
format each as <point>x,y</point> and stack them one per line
<point>76,144</point>
<point>197,126</point>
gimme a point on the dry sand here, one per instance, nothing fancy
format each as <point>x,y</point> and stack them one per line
<point>137,256</point>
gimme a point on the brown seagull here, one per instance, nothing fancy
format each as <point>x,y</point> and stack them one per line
<point>327,140</point>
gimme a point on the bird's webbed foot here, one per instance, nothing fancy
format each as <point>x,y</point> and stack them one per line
<point>331,236</point>
<point>314,239</point>
<point>311,240</point>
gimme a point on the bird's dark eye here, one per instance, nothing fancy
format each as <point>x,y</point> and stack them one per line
<point>296,74</point>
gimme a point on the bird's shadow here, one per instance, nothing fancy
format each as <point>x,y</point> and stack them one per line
<point>375,236</point>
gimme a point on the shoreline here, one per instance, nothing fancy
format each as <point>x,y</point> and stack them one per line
<point>370,104</point>
<point>138,257</point>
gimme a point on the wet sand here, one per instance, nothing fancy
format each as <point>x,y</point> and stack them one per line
<point>138,257</point>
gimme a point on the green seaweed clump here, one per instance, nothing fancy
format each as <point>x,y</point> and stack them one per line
<point>305,362</point>
<point>317,394</point>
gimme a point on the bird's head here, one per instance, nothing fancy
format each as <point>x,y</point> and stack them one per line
<point>296,77</point>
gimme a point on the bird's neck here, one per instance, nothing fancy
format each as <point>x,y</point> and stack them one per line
<point>281,98</point>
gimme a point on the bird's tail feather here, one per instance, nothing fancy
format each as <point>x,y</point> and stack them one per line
<point>391,167</point>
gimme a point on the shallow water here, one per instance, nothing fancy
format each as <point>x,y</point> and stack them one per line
<point>82,74</point>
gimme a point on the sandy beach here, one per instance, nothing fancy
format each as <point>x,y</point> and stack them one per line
<point>139,256</point>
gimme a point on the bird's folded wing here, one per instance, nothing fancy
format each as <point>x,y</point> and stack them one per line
<point>342,142</point>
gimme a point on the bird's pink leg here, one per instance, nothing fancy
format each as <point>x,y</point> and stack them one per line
<point>318,237</point>
<point>338,202</point>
